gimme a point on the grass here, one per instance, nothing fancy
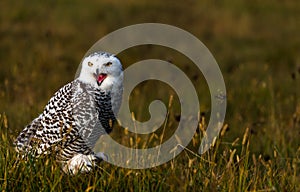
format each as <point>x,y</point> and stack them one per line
<point>255,43</point>
<point>226,167</point>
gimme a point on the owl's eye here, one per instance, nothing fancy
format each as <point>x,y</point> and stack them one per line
<point>90,64</point>
<point>108,64</point>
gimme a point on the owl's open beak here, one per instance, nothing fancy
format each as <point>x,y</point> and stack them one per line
<point>100,78</point>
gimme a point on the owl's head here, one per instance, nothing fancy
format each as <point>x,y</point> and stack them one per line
<point>101,70</point>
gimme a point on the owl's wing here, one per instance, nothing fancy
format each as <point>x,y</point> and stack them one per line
<point>53,126</point>
<point>71,122</point>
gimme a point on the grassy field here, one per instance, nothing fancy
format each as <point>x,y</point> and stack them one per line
<point>256,45</point>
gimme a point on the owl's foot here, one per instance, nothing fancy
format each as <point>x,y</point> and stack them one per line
<point>83,163</point>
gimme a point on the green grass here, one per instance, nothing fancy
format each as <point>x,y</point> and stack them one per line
<point>256,44</point>
<point>226,167</point>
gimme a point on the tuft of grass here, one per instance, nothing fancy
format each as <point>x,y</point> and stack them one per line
<point>225,167</point>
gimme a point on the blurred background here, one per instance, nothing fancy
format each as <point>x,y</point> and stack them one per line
<point>256,44</point>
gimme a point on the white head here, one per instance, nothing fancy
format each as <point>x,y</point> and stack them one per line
<point>101,70</point>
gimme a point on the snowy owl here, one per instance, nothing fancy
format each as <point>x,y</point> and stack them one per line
<point>77,115</point>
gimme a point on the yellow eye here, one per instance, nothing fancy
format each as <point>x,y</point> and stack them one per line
<point>90,64</point>
<point>108,64</point>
